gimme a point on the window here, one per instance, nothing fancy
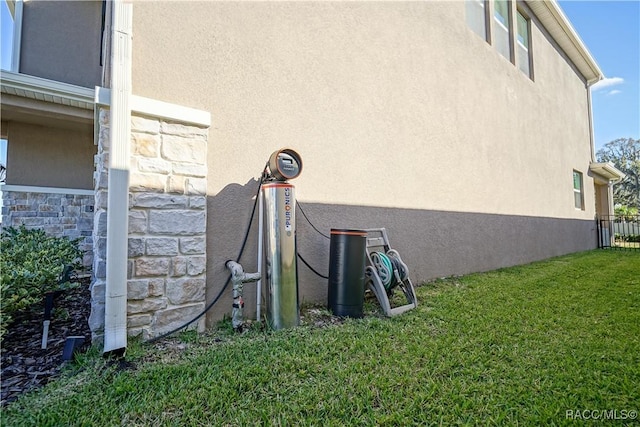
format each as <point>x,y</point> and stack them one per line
<point>502,30</point>
<point>522,42</point>
<point>512,43</point>
<point>578,191</point>
<point>476,17</point>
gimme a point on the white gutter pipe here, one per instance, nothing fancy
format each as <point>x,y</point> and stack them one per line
<point>17,35</point>
<point>115,322</point>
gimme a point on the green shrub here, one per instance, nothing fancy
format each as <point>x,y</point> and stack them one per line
<point>31,263</point>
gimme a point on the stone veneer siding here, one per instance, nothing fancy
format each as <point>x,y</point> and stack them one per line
<point>167,226</point>
<point>57,213</point>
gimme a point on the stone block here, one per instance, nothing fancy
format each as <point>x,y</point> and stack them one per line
<point>151,267</point>
<point>197,202</point>
<point>97,290</point>
<point>104,116</point>
<point>96,318</point>
<point>159,201</point>
<point>139,320</point>
<point>193,245</point>
<point>103,138</point>
<point>25,214</point>
<point>153,165</point>
<point>176,184</point>
<point>145,145</point>
<point>162,246</point>
<point>182,291</point>
<point>147,182</point>
<point>87,260</point>
<point>183,130</point>
<point>137,221</point>
<point>102,180</point>
<point>190,169</point>
<point>100,246</point>
<point>71,210</point>
<point>178,266</point>
<point>177,222</point>
<point>101,270</point>
<point>144,124</point>
<point>100,223</point>
<point>85,224</point>
<point>196,186</point>
<point>135,247</point>
<point>147,305</point>
<point>71,233</point>
<point>30,222</point>
<point>137,289</point>
<point>53,230</point>
<point>185,150</point>
<point>49,208</point>
<point>156,287</point>
<point>143,333</point>
<point>196,265</point>
<point>171,318</point>
<point>54,201</point>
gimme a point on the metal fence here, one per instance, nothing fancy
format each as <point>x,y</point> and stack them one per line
<point>619,232</point>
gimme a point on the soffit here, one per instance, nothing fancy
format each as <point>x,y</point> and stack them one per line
<point>39,89</point>
<point>607,170</point>
<point>559,27</point>
<point>43,102</point>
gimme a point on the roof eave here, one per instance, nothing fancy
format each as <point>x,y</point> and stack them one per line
<point>607,170</point>
<point>41,89</point>
<point>556,22</point>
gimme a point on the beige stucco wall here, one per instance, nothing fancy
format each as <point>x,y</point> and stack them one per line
<point>402,94</point>
<point>49,157</point>
<point>402,115</point>
<point>61,41</point>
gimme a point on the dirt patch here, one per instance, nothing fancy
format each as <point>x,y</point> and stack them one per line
<point>25,365</point>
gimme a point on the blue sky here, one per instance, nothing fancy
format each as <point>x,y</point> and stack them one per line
<point>611,32</point>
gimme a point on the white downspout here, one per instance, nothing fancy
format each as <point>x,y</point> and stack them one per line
<point>17,36</point>
<point>115,322</point>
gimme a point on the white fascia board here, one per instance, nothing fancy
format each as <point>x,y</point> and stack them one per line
<point>36,85</point>
<point>553,18</point>
<point>577,42</point>
<point>159,109</point>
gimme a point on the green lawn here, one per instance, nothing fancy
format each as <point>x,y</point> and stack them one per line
<point>519,346</point>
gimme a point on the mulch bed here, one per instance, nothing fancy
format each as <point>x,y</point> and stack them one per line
<point>25,365</point>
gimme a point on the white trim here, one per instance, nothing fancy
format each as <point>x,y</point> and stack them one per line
<point>155,108</point>
<point>86,98</point>
<point>17,36</point>
<point>46,190</point>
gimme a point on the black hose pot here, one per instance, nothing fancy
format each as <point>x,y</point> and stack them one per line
<point>347,257</point>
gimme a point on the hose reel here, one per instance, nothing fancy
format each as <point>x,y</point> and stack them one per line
<point>386,272</point>
<point>390,268</point>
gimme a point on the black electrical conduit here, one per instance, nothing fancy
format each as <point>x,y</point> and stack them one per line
<point>310,223</point>
<point>244,243</point>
